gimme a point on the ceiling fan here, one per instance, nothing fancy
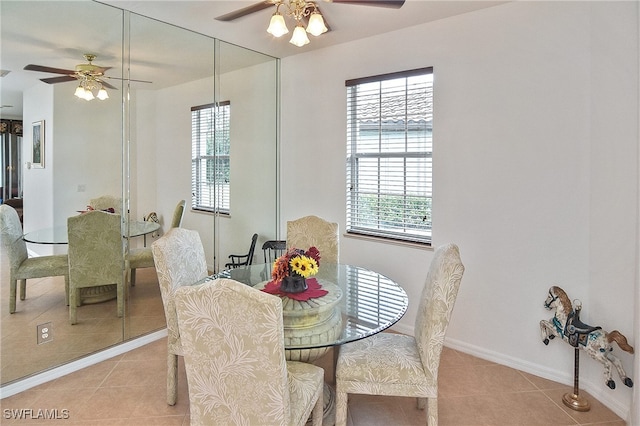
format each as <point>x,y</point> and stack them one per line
<point>90,76</point>
<point>82,72</point>
<point>394,4</point>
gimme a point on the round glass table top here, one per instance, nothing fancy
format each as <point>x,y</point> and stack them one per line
<point>368,302</point>
<point>58,234</point>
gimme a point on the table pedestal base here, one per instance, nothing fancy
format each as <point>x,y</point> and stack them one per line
<point>102,293</point>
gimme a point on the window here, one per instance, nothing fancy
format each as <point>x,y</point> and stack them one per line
<point>389,155</point>
<point>210,147</point>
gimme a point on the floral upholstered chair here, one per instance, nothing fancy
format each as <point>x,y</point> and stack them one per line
<point>399,365</point>
<point>106,202</point>
<point>23,267</point>
<point>95,256</point>
<point>143,257</point>
<point>233,342</point>
<point>180,260</point>
<point>311,231</point>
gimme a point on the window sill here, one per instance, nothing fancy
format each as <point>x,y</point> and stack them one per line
<point>392,241</point>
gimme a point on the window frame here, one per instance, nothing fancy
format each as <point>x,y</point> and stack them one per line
<point>218,132</point>
<point>404,224</point>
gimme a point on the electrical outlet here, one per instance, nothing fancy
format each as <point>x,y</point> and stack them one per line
<point>45,332</point>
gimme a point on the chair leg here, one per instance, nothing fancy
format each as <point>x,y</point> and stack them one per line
<point>12,295</point>
<point>120,298</point>
<point>317,413</point>
<point>74,296</point>
<point>421,403</point>
<point>23,289</point>
<point>172,379</point>
<point>432,412</point>
<point>341,407</point>
<point>66,288</point>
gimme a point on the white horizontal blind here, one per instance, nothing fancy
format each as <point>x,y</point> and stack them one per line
<point>389,155</point>
<point>210,148</point>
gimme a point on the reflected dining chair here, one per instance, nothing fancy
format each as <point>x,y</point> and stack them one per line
<point>233,343</point>
<point>143,257</point>
<point>400,365</point>
<point>107,202</point>
<point>95,256</point>
<point>180,260</point>
<point>23,267</point>
<point>311,231</point>
<point>238,260</point>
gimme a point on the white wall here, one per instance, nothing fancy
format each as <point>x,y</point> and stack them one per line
<point>535,170</point>
<point>252,93</point>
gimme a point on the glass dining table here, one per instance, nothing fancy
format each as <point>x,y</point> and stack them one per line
<point>359,303</point>
<point>58,234</point>
<point>368,301</point>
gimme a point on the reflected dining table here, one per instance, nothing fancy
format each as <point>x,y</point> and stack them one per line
<point>58,234</point>
<point>359,303</point>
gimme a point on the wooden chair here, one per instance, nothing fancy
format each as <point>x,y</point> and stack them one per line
<point>238,260</point>
<point>311,231</point>
<point>180,260</point>
<point>400,365</point>
<point>23,267</point>
<point>95,256</point>
<point>233,343</point>
<point>273,249</point>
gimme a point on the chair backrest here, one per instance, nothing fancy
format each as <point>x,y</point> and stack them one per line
<point>95,249</point>
<point>107,202</point>
<point>11,236</point>
<point>233,343</point>
<point>311,231</point>
<point>273,249</point>
<point>179,260</point>
<point>436,304</point>
<point>178,214</point>
<point>252,249</point>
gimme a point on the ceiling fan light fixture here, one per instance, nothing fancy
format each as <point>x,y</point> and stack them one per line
<point>277,26</point>
<point>88,95</point>
<point>299,37</point>
<point>316,24</point>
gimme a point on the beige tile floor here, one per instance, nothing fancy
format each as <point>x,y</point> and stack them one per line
<point>130,389</point>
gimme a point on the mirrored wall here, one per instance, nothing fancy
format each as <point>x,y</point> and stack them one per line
<point>135,145</point>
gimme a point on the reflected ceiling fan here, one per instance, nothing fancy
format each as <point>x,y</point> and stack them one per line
<point>90,76</point>
<point>305,12</point>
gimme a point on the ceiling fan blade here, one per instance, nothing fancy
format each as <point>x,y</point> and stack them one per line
<point>128,79</point>
<point>107,85</point>
<point>42,68</point>
<point>53,80</point>
<point>245,11</point>
<point>393,4</point>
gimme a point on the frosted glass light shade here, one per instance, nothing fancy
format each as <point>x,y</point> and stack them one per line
<point>316,24</point>
<point>299,37</point>
<point>277,26</point>
<point>102,94</point>
<point>79,92</point>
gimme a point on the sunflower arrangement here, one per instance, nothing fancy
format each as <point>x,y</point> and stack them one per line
<point>296,262</point>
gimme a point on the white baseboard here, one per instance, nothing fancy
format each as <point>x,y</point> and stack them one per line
<point>56,372</point>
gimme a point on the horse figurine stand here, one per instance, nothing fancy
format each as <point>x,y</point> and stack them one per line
<point>566,324</point>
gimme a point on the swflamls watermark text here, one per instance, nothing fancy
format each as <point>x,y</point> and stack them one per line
<point>32,413</point>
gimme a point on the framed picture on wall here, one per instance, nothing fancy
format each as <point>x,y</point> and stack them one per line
<point>37,152</point>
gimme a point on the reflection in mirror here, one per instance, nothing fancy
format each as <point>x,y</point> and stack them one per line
<point>82,147</point>
<point>136,145</point>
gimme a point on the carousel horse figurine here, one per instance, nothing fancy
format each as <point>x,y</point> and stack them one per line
<point>593,340</point>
